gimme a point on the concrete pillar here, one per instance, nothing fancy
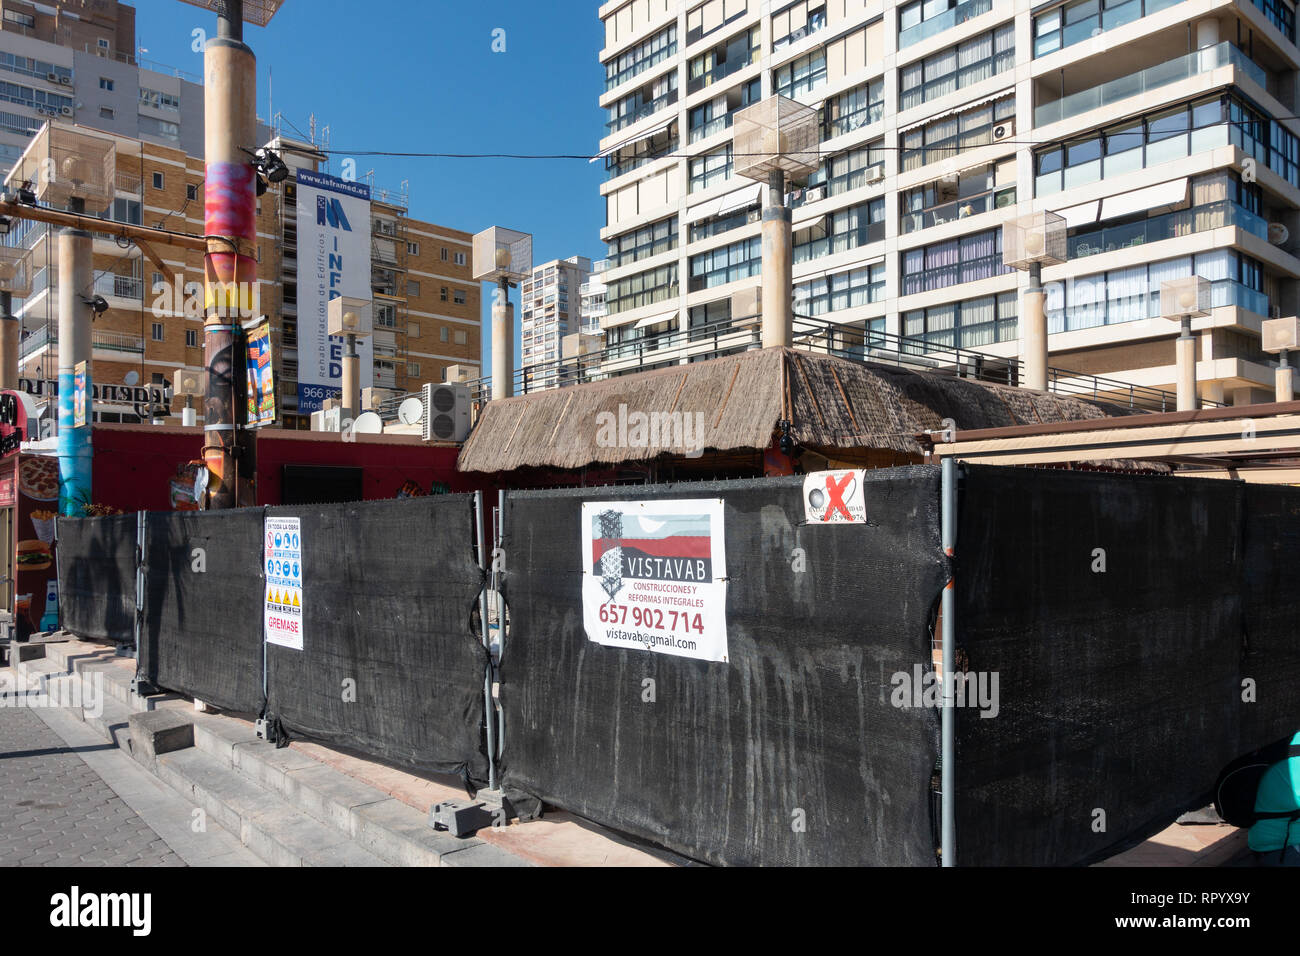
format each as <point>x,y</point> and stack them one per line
<point>350,400</point>
<point>503,345</point>
<point>1185,354</point>
<point>1034,316</point>
<point>778,267</point>
<point>1212,391</point>
<point>1283,383</point>
<point>76,284</point>
<point>230,267</point>
<point>10,342</point>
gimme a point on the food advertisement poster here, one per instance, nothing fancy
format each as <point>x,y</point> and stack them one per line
<point>35,603</point>
<point>654,576</point>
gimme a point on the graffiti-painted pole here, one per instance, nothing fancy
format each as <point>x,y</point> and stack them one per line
<point>230,267</point>
<point>76,278</point>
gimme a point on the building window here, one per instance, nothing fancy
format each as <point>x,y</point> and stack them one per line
<point>963,325</point>
<point>641,57</point>
<point>923,19</point>
<point>957,196</point>
<point>722,61</point>
<point>442,294</point>
<point>948,136</point>
<point>444,334</point>
<point>461,338</point>
<point>649,240</point>
<point>460,258</point>
<point>191,192</point>
<point>106,112</point>
<point>711,169</point>
<point>853,109</point>
<point>442,253</point>
<point>22,19</point>
<point>710,16</point>
<point>844,290</point>
<point>413,369</point>
<point>158,181</point>
<point>458,297</point>
<point>800,19</point>
<point>385,315</point>
<point>641,103</point>
<point>412,248</point>
<point>106,84</point>
<point>159,100</point>
<point>102,43</point>
<point>726,264</point>
<point>957,67</point>
<point>412,289</point>
<point>802,75</point>
<point>644,288</point>
<point>966,259</point>
<point>840,231</point>
<point>192,338</point>
<point>157,331</point>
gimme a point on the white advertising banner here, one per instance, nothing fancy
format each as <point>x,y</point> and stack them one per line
<point>333,260</point>
<point>654,576</point>
<point>282,555</point>
<point>831,497</point>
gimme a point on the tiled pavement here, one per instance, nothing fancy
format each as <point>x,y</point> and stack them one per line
<point>56,811</point>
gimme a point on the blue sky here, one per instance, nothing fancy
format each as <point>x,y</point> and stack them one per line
<point>342,60</point>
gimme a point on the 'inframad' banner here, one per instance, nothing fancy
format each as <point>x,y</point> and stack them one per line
<point>654,576</point>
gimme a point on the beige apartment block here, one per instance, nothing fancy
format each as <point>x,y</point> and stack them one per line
<point>550,308</point>
<point>426,302</point>
<point>1161,130</point>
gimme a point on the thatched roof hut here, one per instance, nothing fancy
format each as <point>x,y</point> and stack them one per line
<point>835,406</point>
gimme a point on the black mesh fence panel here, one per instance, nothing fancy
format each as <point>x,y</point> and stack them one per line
<point>1271,658</point>
<point>390,663</point>
<point>1118,700</point>
<point>96,559</point>
<point>202,631</point>
<point>792,751</point>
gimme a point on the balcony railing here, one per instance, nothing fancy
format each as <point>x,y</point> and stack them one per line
<point>720,72</point>
<point>958,209</point>
<point>1153,77</point>
<point>1185,222</point>
<point>122,287</point>
<point>99,342</point>
<point>944,21</point>
<point>642,111</point>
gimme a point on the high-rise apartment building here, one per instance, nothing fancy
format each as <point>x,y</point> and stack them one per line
<point>592,293</point>
<point>1162,131</point>
<point>550,300</point>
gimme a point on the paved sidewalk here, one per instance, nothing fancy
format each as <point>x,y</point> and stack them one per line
<point>68,798</point>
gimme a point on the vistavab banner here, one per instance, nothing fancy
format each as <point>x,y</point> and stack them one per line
<point>333,260</point>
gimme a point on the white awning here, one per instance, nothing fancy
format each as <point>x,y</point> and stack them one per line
<point>705,210</point>
<point>629,142</point>
<point>656,319</point>
<point>1140,200</point>
<point>741,198</point>
<point>1001,94</point>
<point>1081,215</point>
<point>812,223</point>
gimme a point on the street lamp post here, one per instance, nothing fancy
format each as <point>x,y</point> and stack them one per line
<point>352,319</point>
<point>1182,300</point>
<point>1281,337</point>
<point>1029,243</point>
<point>775,140</point>
<point>503,256</point>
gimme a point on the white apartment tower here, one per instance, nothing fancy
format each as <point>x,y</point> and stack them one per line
<point>550,302</point>
<point>1163,131</point>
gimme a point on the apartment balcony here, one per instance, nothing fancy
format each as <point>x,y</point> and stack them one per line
<point>109,346</point>
<point>641,112</point>
<point>1095,96</point>
<point>1225,293</point>
<point>954,16</point>
<point>1184,222</point>
<point>120,287</point>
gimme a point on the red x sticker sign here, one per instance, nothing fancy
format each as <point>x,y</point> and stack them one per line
<point>834,497</point>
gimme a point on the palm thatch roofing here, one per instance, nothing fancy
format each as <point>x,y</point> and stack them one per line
<point>736,402</point>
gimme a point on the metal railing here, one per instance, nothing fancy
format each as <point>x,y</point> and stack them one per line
<point>848,342</point>
<point>121,287</point>
<point>1153,77</point>
<point>99,341</point>
<point>1184,222</point>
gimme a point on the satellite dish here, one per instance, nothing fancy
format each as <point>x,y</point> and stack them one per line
<point>410,411</point>
<point>132,377</point>
<point>368,423</point>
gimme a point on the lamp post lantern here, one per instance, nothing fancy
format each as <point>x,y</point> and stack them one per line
<point>352,319</point>
<point>1028,244</point>
<point>1182,300</point>
<point>1281,337</point>
<point>503,256</point>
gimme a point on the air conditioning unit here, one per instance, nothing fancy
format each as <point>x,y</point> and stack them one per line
<point>52,77</point>
<point>1278,233</point>
<point>876,173</point>
<point>66,110</point>
<point>446,412</point>
<point>1004,130</point>
<point>815,194</point>
<point>65,80</point>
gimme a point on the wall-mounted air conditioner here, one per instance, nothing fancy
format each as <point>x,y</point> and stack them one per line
<point>66,110</point>
<point>876,173</point>
<point>815,194</point>
<point>446,412</point>
<point>1004,130</point>
<point>52,77</point>
<point>65,80</point>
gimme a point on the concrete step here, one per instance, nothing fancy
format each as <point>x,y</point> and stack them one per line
<point>278,833</point>
<point>387,827</point>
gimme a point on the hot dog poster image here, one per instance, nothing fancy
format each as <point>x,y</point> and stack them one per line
<point>654,576</point>
<point>36,586</point>
<point>282,559</point>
